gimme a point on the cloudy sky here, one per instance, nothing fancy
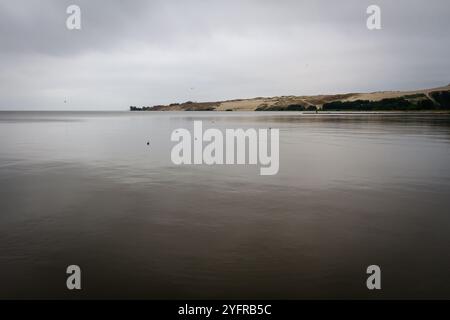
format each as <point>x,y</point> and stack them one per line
<point>156,52</point>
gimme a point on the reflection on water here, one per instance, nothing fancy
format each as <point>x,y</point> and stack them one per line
<point>352,190</point>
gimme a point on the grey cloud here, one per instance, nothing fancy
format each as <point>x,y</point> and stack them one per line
<point>150,52</point>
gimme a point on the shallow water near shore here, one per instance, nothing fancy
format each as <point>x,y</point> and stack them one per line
<point>352,190</point>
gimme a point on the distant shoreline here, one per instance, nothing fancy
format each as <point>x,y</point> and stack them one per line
<point>436,99</point>
<point>391,112</point>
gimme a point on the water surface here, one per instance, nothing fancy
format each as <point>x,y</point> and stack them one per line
<point>353,190</point>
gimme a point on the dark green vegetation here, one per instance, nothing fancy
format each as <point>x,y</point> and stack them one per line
<point>414,102</point>
<point>442,98</point>
<point>186,106</point>
<point>292,107</point>
<point>134,108</point>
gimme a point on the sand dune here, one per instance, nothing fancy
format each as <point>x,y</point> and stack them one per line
<point>293,102</point>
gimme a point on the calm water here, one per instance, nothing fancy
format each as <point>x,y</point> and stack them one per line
<point>352,190</point>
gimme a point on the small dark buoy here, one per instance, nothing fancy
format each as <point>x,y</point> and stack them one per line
<point>148,143</point>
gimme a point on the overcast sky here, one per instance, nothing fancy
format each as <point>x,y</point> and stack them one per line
<point>150,52</point>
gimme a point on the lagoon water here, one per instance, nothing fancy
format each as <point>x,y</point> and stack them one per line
<point>353,190</point>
